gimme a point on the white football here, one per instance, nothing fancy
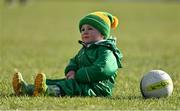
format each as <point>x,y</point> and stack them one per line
<point>156,84</point>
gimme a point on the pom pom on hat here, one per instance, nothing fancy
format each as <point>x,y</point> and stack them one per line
<point>115,22</point>
<point>102,21</point>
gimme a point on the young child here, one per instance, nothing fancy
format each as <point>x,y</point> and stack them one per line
<point>91,72</point>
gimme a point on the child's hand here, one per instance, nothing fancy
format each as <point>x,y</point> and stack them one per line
<point>70,75</point>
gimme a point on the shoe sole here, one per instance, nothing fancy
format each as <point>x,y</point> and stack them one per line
<point>38,84</point>
<point>17,83</point>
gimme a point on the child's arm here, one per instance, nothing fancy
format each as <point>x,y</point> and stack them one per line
<point>72,66</point>
<point>104,67</point>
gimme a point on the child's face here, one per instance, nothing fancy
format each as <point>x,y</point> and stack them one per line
<point>90,34</point>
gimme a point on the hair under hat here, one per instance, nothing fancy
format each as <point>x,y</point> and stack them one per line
<point>102,21</point>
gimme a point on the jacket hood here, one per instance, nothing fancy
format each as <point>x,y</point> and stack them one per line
<point>110,44</point>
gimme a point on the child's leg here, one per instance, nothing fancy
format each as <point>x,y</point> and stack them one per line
<point>53,90</point>
<point>69,87</point>
<point>59,87</point>
<point>20,87</point>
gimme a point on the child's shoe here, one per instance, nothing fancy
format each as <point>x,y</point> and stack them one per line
<point>18,84</point>
<point>40,86</point>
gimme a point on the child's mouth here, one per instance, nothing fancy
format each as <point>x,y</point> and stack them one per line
<point>85,37</point>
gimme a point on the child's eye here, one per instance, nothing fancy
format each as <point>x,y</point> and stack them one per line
<point>82,29</point>
<point>90,28</point>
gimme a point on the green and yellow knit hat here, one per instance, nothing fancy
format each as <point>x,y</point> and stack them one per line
<point>102,21</point>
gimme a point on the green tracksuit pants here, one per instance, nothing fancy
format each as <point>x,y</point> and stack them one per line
<point>70,87</point>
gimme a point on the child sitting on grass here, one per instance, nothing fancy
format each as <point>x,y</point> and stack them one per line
<point>91,72</point>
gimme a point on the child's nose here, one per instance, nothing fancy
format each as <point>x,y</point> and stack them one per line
<point>85,31</point>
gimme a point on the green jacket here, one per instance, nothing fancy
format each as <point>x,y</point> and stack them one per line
<point>96,66</point>
<point>97,62</point>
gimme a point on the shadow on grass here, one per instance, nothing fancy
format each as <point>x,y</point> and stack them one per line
<point>127,98</point>
<point>2,95</point>
<point>113,98</point>
<point>136,98</point>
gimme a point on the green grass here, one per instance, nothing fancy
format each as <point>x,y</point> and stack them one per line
<point>42,36</point>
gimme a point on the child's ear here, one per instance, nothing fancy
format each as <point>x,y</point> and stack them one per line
<point>102,36</point>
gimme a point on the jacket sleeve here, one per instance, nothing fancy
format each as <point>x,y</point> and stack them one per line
<point>104,67</point>
<point>71,66</point>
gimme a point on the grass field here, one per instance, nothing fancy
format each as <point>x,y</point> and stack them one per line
<point>42,36</point>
